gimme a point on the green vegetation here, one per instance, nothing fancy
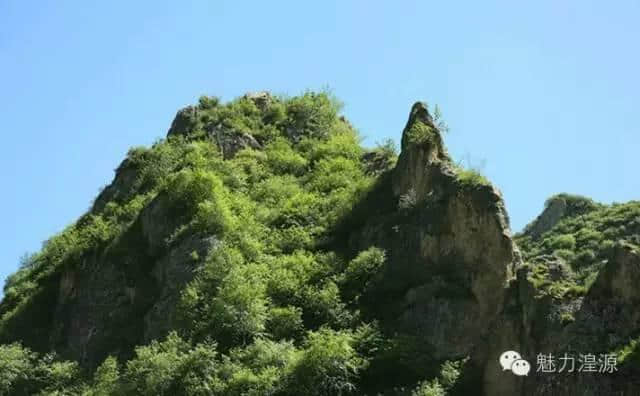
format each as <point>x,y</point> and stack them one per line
<point>272,308</point>
<point>580,243</point>
<point>471,178</point>
<point>449,374</point>
<point>420,133</point>
<point>217,263</point>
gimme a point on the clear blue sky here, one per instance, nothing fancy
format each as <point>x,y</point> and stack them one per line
<point>546,93</point>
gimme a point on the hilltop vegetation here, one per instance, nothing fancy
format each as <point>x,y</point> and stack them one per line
<point>271,309</point>
<point>259,249</point>
<point>579,244</point>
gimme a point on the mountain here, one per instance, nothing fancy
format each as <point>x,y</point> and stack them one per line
<point>259,249</point>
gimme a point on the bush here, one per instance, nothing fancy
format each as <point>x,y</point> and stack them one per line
<point>59,377</point>
<point>310,115</point>
<point>200,195</point>
<point>188,188</point>
<point>328,366</point>
<point>105,379</point>
<point>16,368</point>
<point>208,102</point>
<point>471,178</point>
<point>584,258</point>
<point>282,159</point>
<point>239,311</point>
<point>156,368</point>
<point>562,242</point>
<point>345,145</point>
<point>285,323</point>
<point>322,305</point>
<point>429,388</point>
<point>363,269</point>
<point>420,133</point>
<point>333,174</point>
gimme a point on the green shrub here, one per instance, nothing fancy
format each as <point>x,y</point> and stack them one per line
<point>584,258</point>
<point>310,115</point>
<point>363,270</point>
<point>213,215</point>
<point>106,379</point>
<point>282,159</point>
<point>328,366</point>
<point>471,178</point>
<point>566,318</point>
<point>322,304</point>
<point>368,340</point>
<point>239,311</point>
<point>156,368</point>
<point>429,388</point>
<point>562,242</point>
<point>255,318</point>
<point>285,323</point>
<point>345,145</point>
<point>290,239</point>
<point>258,369</point>
<point>565,254</point>
<point>188,188</point>
<point>333,174</point>
<point>208,102</point>
<point>449,374</point>
<point>16,368</point>
<point>60,377</point>
<point>420,133</point>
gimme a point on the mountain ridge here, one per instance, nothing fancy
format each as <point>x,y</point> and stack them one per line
<point>259,249</point>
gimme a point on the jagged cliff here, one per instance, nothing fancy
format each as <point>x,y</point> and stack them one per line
<point>259,249</point>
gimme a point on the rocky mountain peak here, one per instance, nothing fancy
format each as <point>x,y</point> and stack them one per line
<point>423,159</point>
<point>263,225</point>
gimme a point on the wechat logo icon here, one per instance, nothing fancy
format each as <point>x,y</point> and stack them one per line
<point>513,361</point>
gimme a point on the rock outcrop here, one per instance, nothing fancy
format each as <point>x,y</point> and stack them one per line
<point>188,123</point>
<point>552,214</point>
<point>128,294</point>
<point>416,266</point>
<point>451,256</point>
<point>557,208</point>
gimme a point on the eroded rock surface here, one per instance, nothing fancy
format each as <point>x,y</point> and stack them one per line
<point>451,255</point>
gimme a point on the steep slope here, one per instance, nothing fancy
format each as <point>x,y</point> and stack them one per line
<point>259,249</point>
<point>578,293</point>
<point>450,255</point>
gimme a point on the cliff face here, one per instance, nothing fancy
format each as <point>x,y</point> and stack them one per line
<point>261,227</point>
<point>449,247</point>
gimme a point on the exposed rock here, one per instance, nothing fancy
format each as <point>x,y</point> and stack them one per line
<point>230,142</point>
<point>126,296</point>
<point>451,281</point>
<point>120,189</point>
<point>450,257</point>
<point>157,223</point>
<point>602,320</point>
<point>262,99</point>
<point>376,162</point>
<point>185,122</point>
<point>620,278</point>
<point>557,267</point>
<point>552,214</point>
<point>422,166</point>
<point>558,207</point>
<point>172,272</point>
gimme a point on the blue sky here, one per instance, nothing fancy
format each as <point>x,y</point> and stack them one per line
<point>545,94</point>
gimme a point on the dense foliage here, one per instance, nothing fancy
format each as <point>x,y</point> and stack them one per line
<point>276,303</point>
<point>273,308</point>
<point>579,244</point>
